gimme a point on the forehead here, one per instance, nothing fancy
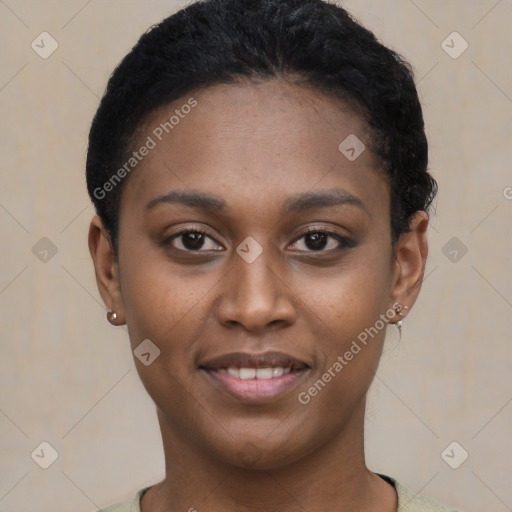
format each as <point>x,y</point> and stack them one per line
<point>256,142</point>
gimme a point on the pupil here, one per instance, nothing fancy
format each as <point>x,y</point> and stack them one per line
<point>318,241</point>
<point>193,241</point>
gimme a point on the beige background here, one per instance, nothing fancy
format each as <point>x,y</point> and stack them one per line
<point>67,376</point>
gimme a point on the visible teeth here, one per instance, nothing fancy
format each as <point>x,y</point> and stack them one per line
<point>247,373</point>
<point>264,373</point>
<point>234,372</point>
<point>256,373</point>
<point>277,372</point>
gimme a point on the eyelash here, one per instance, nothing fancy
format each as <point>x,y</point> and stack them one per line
<point>168,241</point>
<point>343,242</point>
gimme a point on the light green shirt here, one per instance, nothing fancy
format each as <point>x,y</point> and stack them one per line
<point>407,501</point>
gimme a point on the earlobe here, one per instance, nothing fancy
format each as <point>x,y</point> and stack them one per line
<point>410,259</point>
<point>106,268</point>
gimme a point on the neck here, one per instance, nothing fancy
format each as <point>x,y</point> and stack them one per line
<point>332,476</point>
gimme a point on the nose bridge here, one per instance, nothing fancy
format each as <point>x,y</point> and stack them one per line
<point>254,295</point>
<point>257,278</point>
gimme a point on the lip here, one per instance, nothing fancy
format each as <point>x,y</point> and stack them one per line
<point>249,360</point>
<point>255,390</point>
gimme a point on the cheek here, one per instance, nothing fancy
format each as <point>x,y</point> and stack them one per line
<point>161,301</point>
<point>350,308</point>
<point>353,310</point>
<point>163,306</point>
<point>351,297</point>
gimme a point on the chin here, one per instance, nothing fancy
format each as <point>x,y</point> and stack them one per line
<point>264,453</point>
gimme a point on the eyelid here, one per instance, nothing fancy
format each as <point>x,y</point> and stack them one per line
<point>343,241</point>
<point>190,229</point>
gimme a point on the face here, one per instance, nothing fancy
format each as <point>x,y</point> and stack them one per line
<point>257,258</point>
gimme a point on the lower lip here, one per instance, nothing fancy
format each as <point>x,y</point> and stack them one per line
<point>256,390</point>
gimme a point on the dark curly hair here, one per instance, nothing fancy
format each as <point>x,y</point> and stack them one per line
<point>225,41</point>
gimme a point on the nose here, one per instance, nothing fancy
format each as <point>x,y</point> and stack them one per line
<point>256,296</point>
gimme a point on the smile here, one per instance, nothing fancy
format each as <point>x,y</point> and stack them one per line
<point>255,378</point>
<point>256,373</point>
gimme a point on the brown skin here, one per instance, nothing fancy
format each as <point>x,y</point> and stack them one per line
<point>254,145</point>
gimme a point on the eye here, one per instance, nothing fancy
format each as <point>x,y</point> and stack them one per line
<point>313,240</point>
<point>193,240</point>
<point>316,240</point>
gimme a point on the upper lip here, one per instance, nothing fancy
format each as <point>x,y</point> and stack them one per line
<point>248,360</point>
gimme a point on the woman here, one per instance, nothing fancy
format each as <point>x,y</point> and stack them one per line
<point>259,171</point>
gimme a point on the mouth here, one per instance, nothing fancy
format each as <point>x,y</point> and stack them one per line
<point>255,377</point>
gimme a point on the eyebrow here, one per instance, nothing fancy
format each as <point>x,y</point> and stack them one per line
<point>321,199</point>
<point>300,202</point>
<point>192,199</point>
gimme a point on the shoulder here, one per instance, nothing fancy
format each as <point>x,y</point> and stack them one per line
<point>131,505</point>
<point>411,502</point>
<point>407,501</point>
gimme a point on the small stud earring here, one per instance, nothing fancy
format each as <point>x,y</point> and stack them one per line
<point>399,327</point>
<point>112,317</point>
<point>400,311</point>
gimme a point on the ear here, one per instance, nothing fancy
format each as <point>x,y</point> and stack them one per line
<point>409,266</point>
<point>106,268</point>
